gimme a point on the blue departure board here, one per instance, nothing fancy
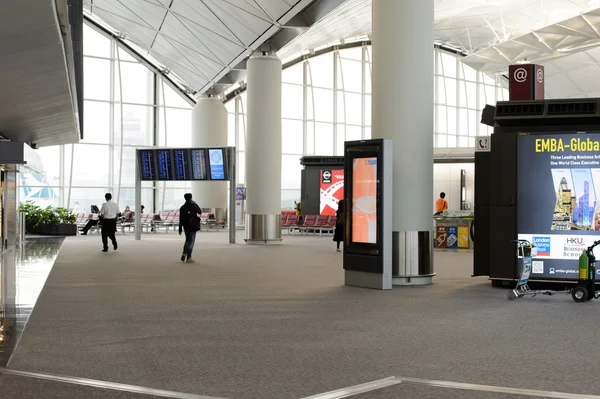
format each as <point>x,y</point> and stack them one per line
<point>217,164</point>
<point>199,169</point>
<point>148,165</point>
<point>181,159</point>
<point>165,166</point>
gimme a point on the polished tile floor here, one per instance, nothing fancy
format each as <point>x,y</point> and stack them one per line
<point>24,269</point>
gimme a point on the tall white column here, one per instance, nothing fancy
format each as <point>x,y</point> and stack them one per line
<point>263,151</point>
<point>209,129</point>
<point>403,111</point>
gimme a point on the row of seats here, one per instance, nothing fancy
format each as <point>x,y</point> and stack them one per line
<point>308,224</point>
<point>151,221</point>
<point>170,220</point>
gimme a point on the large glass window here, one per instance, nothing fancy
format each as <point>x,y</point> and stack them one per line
<point>138,122</point>
<point>96,79</point>
<point>96,120</point>
<point>137,83</point>
<point>91,165</point>
<point>77,176</point>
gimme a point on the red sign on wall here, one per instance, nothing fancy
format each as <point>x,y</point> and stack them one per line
<point>526,82</point>
<point>332,190</point>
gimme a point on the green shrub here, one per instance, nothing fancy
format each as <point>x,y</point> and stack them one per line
<point>36,215</point>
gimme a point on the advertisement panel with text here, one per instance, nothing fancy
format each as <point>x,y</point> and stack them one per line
<point>558,207</point>
<point>332,190</point>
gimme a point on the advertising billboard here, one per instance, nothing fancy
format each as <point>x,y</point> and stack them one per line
<point>364,200</point>
<point>332,190</point>
<point>558,207</point>
<point>240,193</point>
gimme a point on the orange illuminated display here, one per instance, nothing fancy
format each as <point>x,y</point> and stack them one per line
<point>364,200</point>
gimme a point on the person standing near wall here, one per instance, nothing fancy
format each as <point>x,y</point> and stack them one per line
<point>108,214</point>
<point>340,221</point>
<point>441,204</point>
<point>189,222</point>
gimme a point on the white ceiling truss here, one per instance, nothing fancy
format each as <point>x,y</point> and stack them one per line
<point>203,44</point>
<point>561,39</point>
<point>466,25</point>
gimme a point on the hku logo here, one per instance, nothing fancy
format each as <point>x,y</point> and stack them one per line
<point>575,241</point>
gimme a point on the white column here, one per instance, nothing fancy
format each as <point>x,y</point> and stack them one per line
<point>403,111</point>
<point>263,151</point>
<point>209,129</point>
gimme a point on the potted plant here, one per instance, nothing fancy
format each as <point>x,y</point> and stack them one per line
<point>49,221</point>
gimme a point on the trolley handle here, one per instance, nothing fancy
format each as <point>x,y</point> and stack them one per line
<point>594,245</point>
<point>525,242</point>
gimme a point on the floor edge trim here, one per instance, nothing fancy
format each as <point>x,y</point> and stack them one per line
<point>114,386</point>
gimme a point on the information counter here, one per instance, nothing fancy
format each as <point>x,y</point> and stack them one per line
<point>453,232</point>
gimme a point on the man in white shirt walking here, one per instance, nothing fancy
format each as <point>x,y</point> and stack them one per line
<point>108,213</point>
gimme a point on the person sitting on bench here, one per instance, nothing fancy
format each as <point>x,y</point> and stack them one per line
<point>90,222</point>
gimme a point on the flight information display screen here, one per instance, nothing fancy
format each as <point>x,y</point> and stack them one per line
<point>181,159</point>
<point>217,164</point>
<point>199,167</point>
<point>148,165</point>
<point>165,166</point>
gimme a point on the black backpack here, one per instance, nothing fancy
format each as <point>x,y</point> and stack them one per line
<point>193,221</point>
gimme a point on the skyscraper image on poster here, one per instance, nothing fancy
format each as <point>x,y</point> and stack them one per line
<point>585,199</point>
<point>596,181</point>
<point>331,191</point>
<point>565,199</point>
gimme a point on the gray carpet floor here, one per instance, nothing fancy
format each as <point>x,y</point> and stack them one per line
<point>277,322</point>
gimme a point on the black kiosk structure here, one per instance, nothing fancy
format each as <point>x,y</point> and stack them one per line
<point>539,180</point>
<point>368,193</point>
<point>186,164</point>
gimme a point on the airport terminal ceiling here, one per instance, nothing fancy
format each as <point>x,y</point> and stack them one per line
<point>202,45</point>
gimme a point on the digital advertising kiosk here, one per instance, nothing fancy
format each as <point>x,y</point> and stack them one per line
<point>368,195</point>
<point>539,181</point>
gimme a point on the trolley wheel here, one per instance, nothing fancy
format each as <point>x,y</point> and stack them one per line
<point>511,295</point>
<point>579,294</point>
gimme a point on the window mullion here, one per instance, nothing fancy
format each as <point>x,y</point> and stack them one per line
<point>335,101</point>
<point>305,110</point>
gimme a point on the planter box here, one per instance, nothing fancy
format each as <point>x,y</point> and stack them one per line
<point>53,229</point>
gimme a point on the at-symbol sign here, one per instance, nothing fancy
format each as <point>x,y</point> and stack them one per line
<point>520,75</point>
<point>540,75</point>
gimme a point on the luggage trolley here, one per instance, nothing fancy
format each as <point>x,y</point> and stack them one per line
<point>525,254</point>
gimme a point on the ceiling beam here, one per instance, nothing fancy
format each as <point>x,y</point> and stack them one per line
<point>295,27</point>
<point>140,57</point>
